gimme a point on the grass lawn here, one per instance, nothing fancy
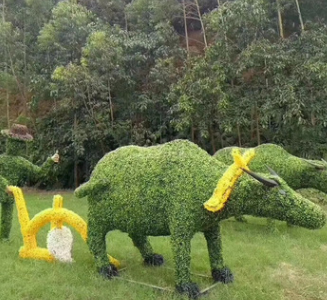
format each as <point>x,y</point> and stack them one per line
<point>288,263</point>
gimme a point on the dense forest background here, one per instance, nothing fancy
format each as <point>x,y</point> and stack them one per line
<point>89,76</point>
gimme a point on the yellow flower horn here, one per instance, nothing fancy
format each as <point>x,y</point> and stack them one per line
<point>228,180</point>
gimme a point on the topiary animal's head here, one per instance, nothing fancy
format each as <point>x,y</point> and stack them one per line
<point>279,201</point>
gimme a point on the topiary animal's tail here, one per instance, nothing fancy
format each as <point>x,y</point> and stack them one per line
<point>86,188</point>
<point>82,191</point>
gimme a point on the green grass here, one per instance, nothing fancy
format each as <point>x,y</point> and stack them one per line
<point>288,263</point>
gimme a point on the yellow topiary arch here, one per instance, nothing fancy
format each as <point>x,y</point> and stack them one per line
<point>57,215</point>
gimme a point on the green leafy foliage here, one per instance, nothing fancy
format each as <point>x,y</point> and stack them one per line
<point>107,90</point>
<point>160,190</point>
<point>90,76</point>
<point>258,87</point>
<point>66,33</point>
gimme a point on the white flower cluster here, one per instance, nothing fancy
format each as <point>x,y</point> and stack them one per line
<point>60,244</point>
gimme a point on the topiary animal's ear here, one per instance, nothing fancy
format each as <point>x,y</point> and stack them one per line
<point>272,172</point>
<point>267,182</point>
<point>316,165</point>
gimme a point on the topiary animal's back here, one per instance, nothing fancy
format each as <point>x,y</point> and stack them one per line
<point>159,166</point>
<point>263,153</point>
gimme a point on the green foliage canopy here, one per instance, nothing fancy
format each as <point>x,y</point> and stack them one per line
<point>95,75</point>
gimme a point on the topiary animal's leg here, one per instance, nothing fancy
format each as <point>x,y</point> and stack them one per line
<point>181,244</point>
<point>218,270</point>
<point>97,244</point>
<point>144,246</point>
<point>6,219</point>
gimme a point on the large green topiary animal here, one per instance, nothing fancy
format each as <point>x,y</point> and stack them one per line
<point>17,170</point>
<point>161,190</point>
<point>299,173</point>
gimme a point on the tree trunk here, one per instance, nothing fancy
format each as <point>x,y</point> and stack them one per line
<point>212,139</point>
<point>126,22</point>
<point>300,15</point>
<point>8,108</point>
<point>6,71</point>
<point>185,28</point>
<point>257,125</point>
<point>225,35</point>
<point>3,10</point>
<point>25,73</point>
<point>75,156</point>
<point>251,125</point>
<point>239,135</point>
<point>202,26</point>
<point>280,20</point>
<point>221,137</point>
<point>193,133</point>
<point>110,103</point>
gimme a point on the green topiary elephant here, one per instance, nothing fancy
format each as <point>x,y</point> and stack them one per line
<point>17,170</point>
<point>297,172</point>
<point>161,190</point>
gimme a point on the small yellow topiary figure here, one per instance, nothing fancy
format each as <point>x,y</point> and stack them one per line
<point>56,215</point>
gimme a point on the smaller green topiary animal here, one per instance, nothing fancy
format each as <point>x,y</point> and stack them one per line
<point>299,173</point>
<point>17,170</point>
<point>161,190</point>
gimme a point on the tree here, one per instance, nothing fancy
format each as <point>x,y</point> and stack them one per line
<point>63,37</point>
